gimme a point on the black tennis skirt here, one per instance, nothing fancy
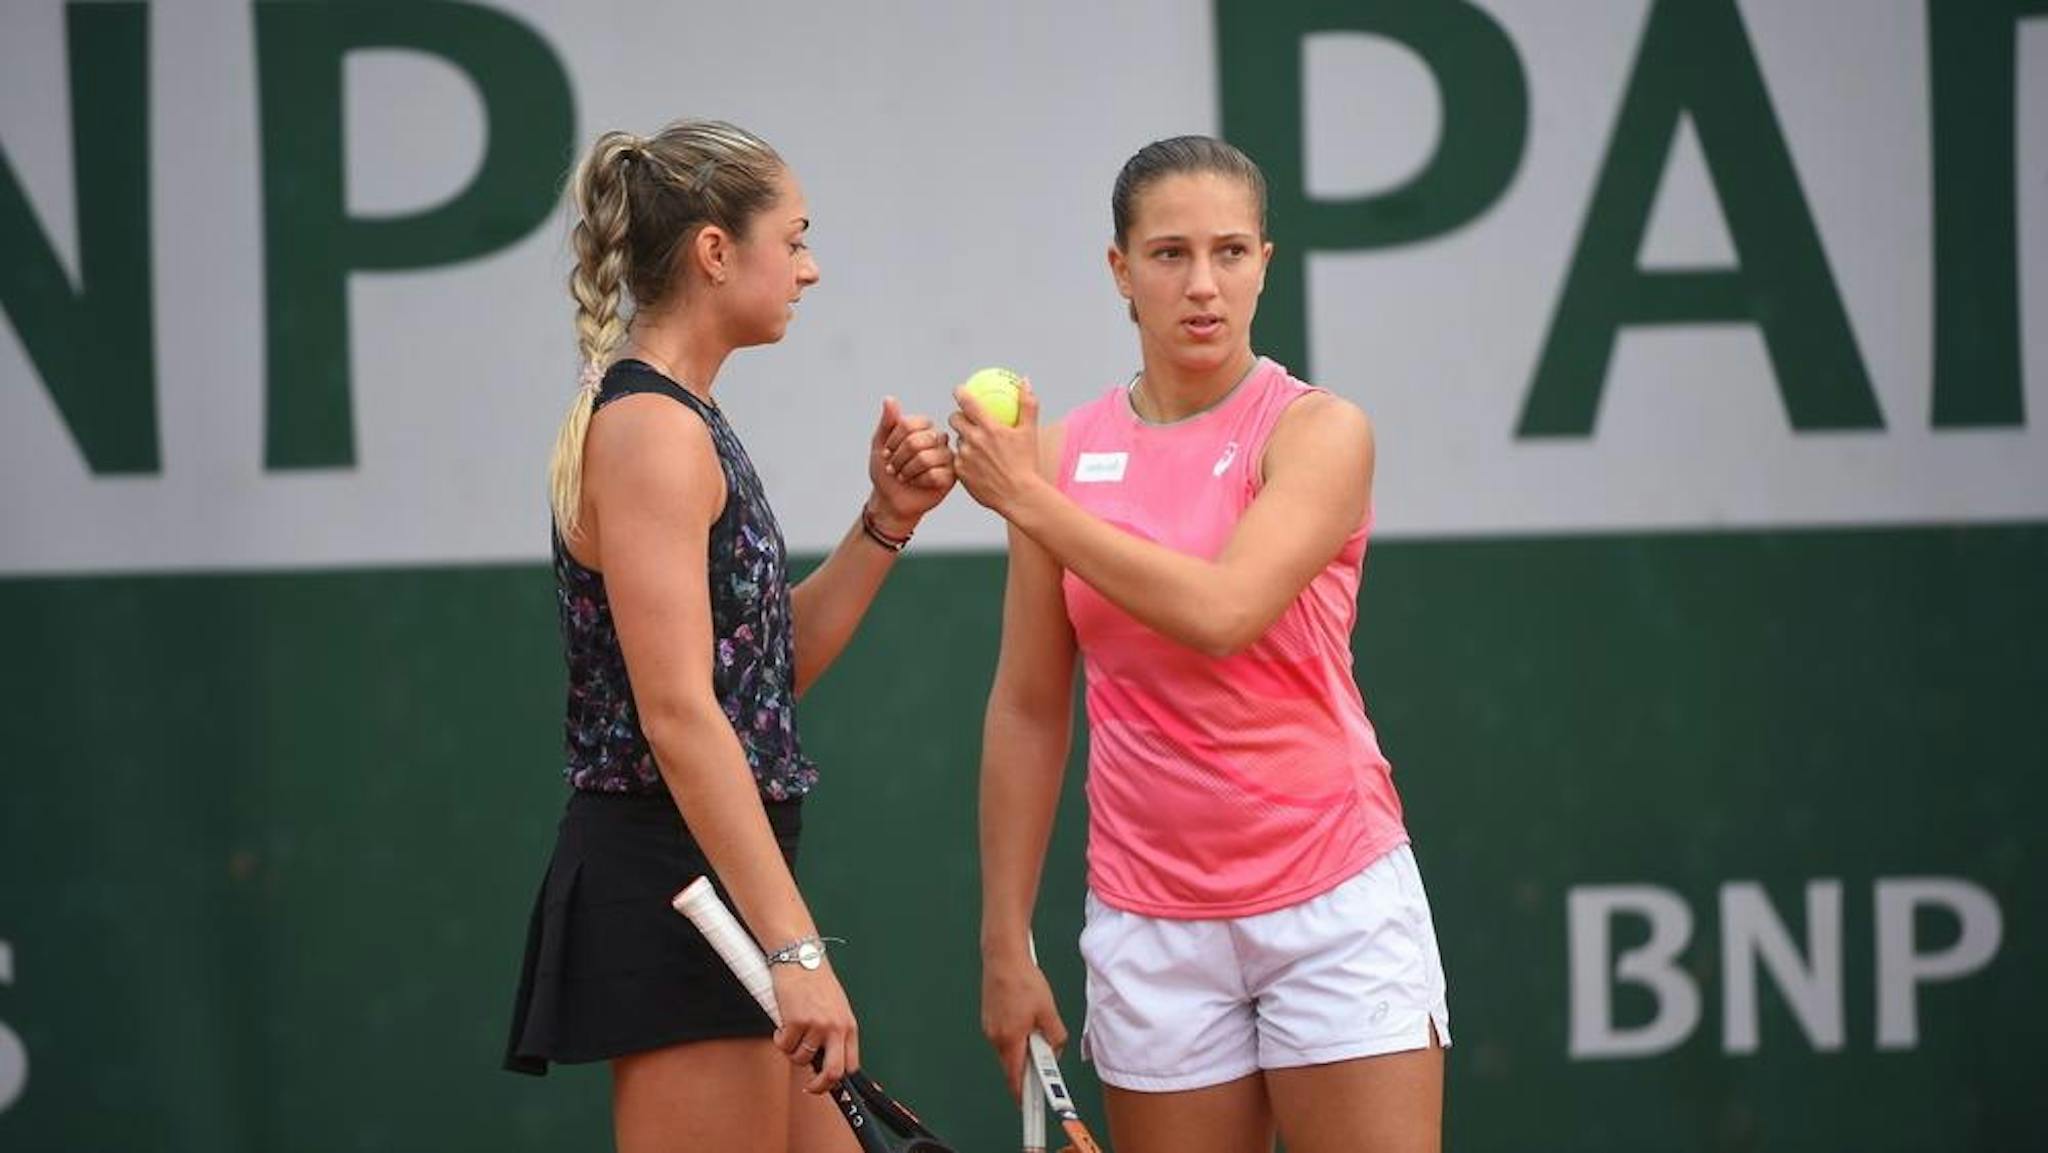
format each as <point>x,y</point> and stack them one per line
<point>610,967</point>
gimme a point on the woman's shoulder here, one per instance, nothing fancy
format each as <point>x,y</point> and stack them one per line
<point>1079,426</point>
<point>1107,399</point>
<point>1318,423</point>
<point>645,446</point>
<point>1110,404</point>
<point>1301,400</point>
<point>1316,418</point>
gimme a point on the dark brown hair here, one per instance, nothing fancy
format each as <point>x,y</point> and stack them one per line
<point>1176,156</point>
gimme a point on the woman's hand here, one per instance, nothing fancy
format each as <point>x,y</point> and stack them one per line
<point>996,461</point>
<point>1015,1001</point>
<point>910,465</point>
<point>816,1019</point>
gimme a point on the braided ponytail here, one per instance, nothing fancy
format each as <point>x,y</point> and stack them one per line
<point>603,216</point>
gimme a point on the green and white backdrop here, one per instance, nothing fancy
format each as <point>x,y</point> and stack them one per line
<point>1707,343</point>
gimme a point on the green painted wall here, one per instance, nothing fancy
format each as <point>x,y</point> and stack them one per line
<point>267,842</point>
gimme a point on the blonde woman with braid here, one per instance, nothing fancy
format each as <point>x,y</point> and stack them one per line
<point>687,648</point>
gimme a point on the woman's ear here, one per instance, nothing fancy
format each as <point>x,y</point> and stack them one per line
<point>713,252</point>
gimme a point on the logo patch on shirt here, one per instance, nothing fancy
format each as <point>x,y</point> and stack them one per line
<point>1223,462</point>
<point>1100,467</point>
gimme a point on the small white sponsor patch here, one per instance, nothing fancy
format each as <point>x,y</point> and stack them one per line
<point>1100,467</point>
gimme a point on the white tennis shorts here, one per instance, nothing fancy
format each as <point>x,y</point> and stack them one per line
<point>1176,1005</point>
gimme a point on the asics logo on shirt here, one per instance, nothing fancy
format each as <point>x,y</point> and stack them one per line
<point>1223,462</point>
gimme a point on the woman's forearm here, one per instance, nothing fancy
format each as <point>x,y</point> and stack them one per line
<point>1196,602</point>
<point>829,604</point>
<point>1023,762</point>
<point>707,776</point>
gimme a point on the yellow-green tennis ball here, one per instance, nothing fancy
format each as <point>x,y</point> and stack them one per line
<point>996,391</point>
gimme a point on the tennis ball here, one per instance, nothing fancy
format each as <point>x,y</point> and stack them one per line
<point>995,390</point>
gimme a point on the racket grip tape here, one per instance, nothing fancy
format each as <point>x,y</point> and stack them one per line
<point>1033,1109</point>
<point>699,902</point>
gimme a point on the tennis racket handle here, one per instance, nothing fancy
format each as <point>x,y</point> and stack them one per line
<point>1033,1110</point>
<point>1047,1070</point>
<point>699,902</point>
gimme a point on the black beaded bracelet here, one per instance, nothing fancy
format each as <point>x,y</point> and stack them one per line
<point>868,526</point>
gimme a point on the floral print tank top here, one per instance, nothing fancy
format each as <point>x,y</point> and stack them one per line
<point>753,646</point>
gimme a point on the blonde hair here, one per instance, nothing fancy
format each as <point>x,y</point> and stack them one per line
<point>639,203</point>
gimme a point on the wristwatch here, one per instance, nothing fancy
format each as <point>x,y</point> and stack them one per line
<point>806,952</point>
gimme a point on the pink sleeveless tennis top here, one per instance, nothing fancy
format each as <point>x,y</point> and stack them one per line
<point>1218,787</point>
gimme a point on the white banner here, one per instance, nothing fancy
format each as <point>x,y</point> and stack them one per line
<point>958,160</point>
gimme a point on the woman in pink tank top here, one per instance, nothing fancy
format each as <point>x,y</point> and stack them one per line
<point>1259,951</point>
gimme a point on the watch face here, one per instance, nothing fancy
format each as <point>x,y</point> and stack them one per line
<point>810,954</point>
